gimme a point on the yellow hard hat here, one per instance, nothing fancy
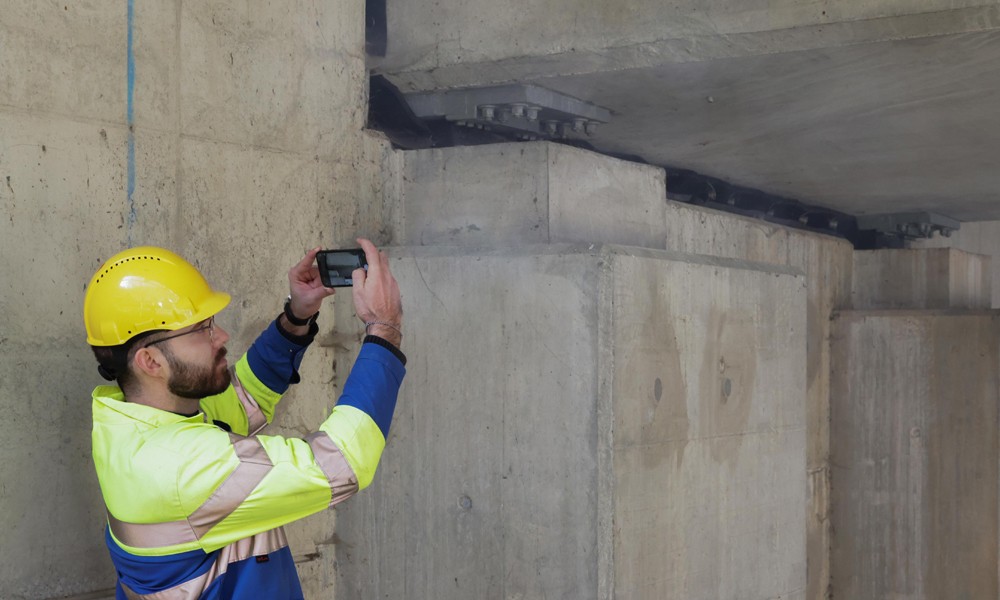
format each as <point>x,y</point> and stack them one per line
<point>145,289</point>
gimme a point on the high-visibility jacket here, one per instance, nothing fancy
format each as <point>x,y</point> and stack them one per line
<point>196,504</point>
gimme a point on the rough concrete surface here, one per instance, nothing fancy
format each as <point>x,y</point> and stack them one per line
<point>539,457</point>
<point>915,454</point>
<point>57,58</point>
<point>57,175</point>
<point>921,278</point>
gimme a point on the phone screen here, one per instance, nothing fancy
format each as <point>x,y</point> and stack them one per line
<point>336,267</point>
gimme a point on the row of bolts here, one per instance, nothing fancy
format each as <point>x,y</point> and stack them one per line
<point>492,112</point>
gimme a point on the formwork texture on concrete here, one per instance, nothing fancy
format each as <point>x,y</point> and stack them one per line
<point>915,454</point>
<point>589,422</point>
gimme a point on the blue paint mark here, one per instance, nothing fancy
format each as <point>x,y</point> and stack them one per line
<point>130,117</point>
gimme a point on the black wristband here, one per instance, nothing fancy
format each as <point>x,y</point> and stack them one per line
<point>296,320</point>
<point>378,341</point>
<point>301,340</point>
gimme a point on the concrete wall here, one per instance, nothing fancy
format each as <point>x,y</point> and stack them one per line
<point>915,454</point>
<point>978,238</point>
<point>244,147</point>
<point>591,422</point>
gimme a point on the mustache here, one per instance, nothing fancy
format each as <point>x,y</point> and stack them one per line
<point>221,354</point>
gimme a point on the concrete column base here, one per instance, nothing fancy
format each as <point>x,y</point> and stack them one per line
<point>589,422</point>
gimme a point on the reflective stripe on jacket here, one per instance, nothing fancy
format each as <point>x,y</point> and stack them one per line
<point>195,511</point>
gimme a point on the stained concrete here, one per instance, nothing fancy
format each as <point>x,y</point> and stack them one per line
<point>915,454</point>
<point>921,278</point>
<point>625,423</point>
<point>827,264</point>
<point>248,149</point>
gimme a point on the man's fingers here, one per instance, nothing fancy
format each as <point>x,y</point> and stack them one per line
<point>372,256</point>
<point>357,292</point>
<point>359,276</point>
<point>313,273</point>
<point>306,262</point>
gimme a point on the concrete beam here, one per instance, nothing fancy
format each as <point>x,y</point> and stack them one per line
<point>537,192</point>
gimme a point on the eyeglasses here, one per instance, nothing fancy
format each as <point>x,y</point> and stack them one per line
<point>209,325</point>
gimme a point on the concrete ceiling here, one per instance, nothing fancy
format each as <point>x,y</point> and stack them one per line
<point>888,127</point>
<point>862,107</point>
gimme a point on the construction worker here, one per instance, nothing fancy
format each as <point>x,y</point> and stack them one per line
<point>196,496</point>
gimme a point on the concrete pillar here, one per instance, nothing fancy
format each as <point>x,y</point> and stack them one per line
<point>827,264</point>
<point>589,421</point>
<point>921,278</point>
<point>914,440</point>
<point>915,454</point>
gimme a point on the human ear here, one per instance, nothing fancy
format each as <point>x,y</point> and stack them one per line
<point>149,361</point>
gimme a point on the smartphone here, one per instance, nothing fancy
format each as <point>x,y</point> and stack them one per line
<point>336,267</point>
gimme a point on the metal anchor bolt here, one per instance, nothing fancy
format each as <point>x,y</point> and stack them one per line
<point>488,111</point>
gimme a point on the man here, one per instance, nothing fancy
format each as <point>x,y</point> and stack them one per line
<point>196,498</point>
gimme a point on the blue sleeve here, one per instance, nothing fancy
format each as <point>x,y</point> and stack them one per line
<point>373,384</point>
<point>275,359</point>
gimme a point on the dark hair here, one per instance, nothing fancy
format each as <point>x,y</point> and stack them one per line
<point>113,362</point>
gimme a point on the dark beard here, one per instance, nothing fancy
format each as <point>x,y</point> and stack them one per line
<point>195,381</point>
